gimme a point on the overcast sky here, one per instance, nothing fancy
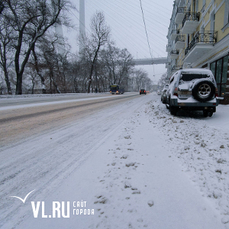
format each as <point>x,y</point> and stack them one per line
<point>127,28</point>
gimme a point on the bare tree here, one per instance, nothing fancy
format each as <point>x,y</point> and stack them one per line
<point>6,52</point>
<point>125,66</point>
<point>30,20</point>
<point>142,80</point>
<point>99,37</point>
<point>118,64</point>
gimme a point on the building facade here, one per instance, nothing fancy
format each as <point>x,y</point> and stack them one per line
<point>198,37</point>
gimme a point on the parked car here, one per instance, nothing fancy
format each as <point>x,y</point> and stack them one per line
<point>142,91</point>
<point>163,93</point>
<point>192,89</point>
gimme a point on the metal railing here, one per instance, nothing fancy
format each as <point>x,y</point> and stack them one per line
<point>175,32</point>
<point>181,10</point>
<point>176,67</point>
<point>206,37</point>
<point>180,38</point>
<point>174,52</point>
<point>191,16</point>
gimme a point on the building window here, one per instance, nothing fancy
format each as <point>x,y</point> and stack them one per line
<point>212,25</point>
<point>220,70</point>
<point>203,6</point>
<point>226,14</point>
<point>204,3</point>
<point>195,5</point>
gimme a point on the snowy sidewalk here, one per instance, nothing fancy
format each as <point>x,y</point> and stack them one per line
<point>132,180</point>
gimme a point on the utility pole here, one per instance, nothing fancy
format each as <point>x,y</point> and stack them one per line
<point>82,23</point>
<point>60,35</point>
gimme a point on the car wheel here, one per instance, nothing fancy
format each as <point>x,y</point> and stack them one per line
<point>173,110</point>
<point>203,91</point>
<point>205,113</point>
<point>210,114</point>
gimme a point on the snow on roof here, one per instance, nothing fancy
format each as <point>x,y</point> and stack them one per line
<point>196,71</point>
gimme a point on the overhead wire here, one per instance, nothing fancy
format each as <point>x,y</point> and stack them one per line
<point>131,12</point>
<point>136,8</point>
<point>146,32</point>
<point>122,29</point>
<point>147,37</point>
<point>139,26</point>
<point>149,17</point>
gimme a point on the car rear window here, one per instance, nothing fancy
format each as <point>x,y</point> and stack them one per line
<point>189,77</point>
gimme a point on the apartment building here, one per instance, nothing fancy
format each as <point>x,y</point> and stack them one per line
<point>198,37</point>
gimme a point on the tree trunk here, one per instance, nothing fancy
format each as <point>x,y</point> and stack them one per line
<point>38,71</point>
<point>19,84</point>
<point>7,81</point>
<point>92,68</point>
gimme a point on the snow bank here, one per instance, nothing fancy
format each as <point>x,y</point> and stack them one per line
<point>201,145</point>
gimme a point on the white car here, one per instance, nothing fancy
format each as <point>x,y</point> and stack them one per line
<point>192,89</point>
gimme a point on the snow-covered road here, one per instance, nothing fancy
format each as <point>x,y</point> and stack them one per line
<point>135,165</point>
<point>22,117</point>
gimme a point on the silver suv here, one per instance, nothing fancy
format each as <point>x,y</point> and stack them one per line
<point>192,89</point>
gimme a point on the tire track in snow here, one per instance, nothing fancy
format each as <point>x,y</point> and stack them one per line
<point>42,162</point>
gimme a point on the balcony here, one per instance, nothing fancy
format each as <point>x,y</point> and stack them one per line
<point>180,42</point>
<point>168,65</point>
<point>177,2</point>
<point>168,48</point>
<point>200,45</point>
<point>174,34</point>
<point>190,23</point>
<point>180,15</point>
<point>176,68</point>
<point>174,54</point>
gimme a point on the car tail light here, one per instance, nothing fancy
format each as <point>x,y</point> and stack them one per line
<point>216,92</point>
<point>144,91</point>
<point>175,92</point>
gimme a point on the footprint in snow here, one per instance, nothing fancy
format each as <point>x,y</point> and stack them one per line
<point>127,185</point>
<point>130,164</point>
<point>101,200</point>
<point>150,203</point>
<point>124,156</point>
<point>136,192</point>
<point>225,220</point>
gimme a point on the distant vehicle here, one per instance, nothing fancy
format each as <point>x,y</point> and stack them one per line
<point>163,93</point>
<point>192,89</point>
<point>159,92</point>
<point>115,89</point>
<point>142,91</point>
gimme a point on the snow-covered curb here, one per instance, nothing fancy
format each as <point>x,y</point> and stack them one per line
<point>202,146</point>
<point>50,95</point>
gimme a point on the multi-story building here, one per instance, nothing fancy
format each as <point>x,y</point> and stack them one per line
<point>198,37</point>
